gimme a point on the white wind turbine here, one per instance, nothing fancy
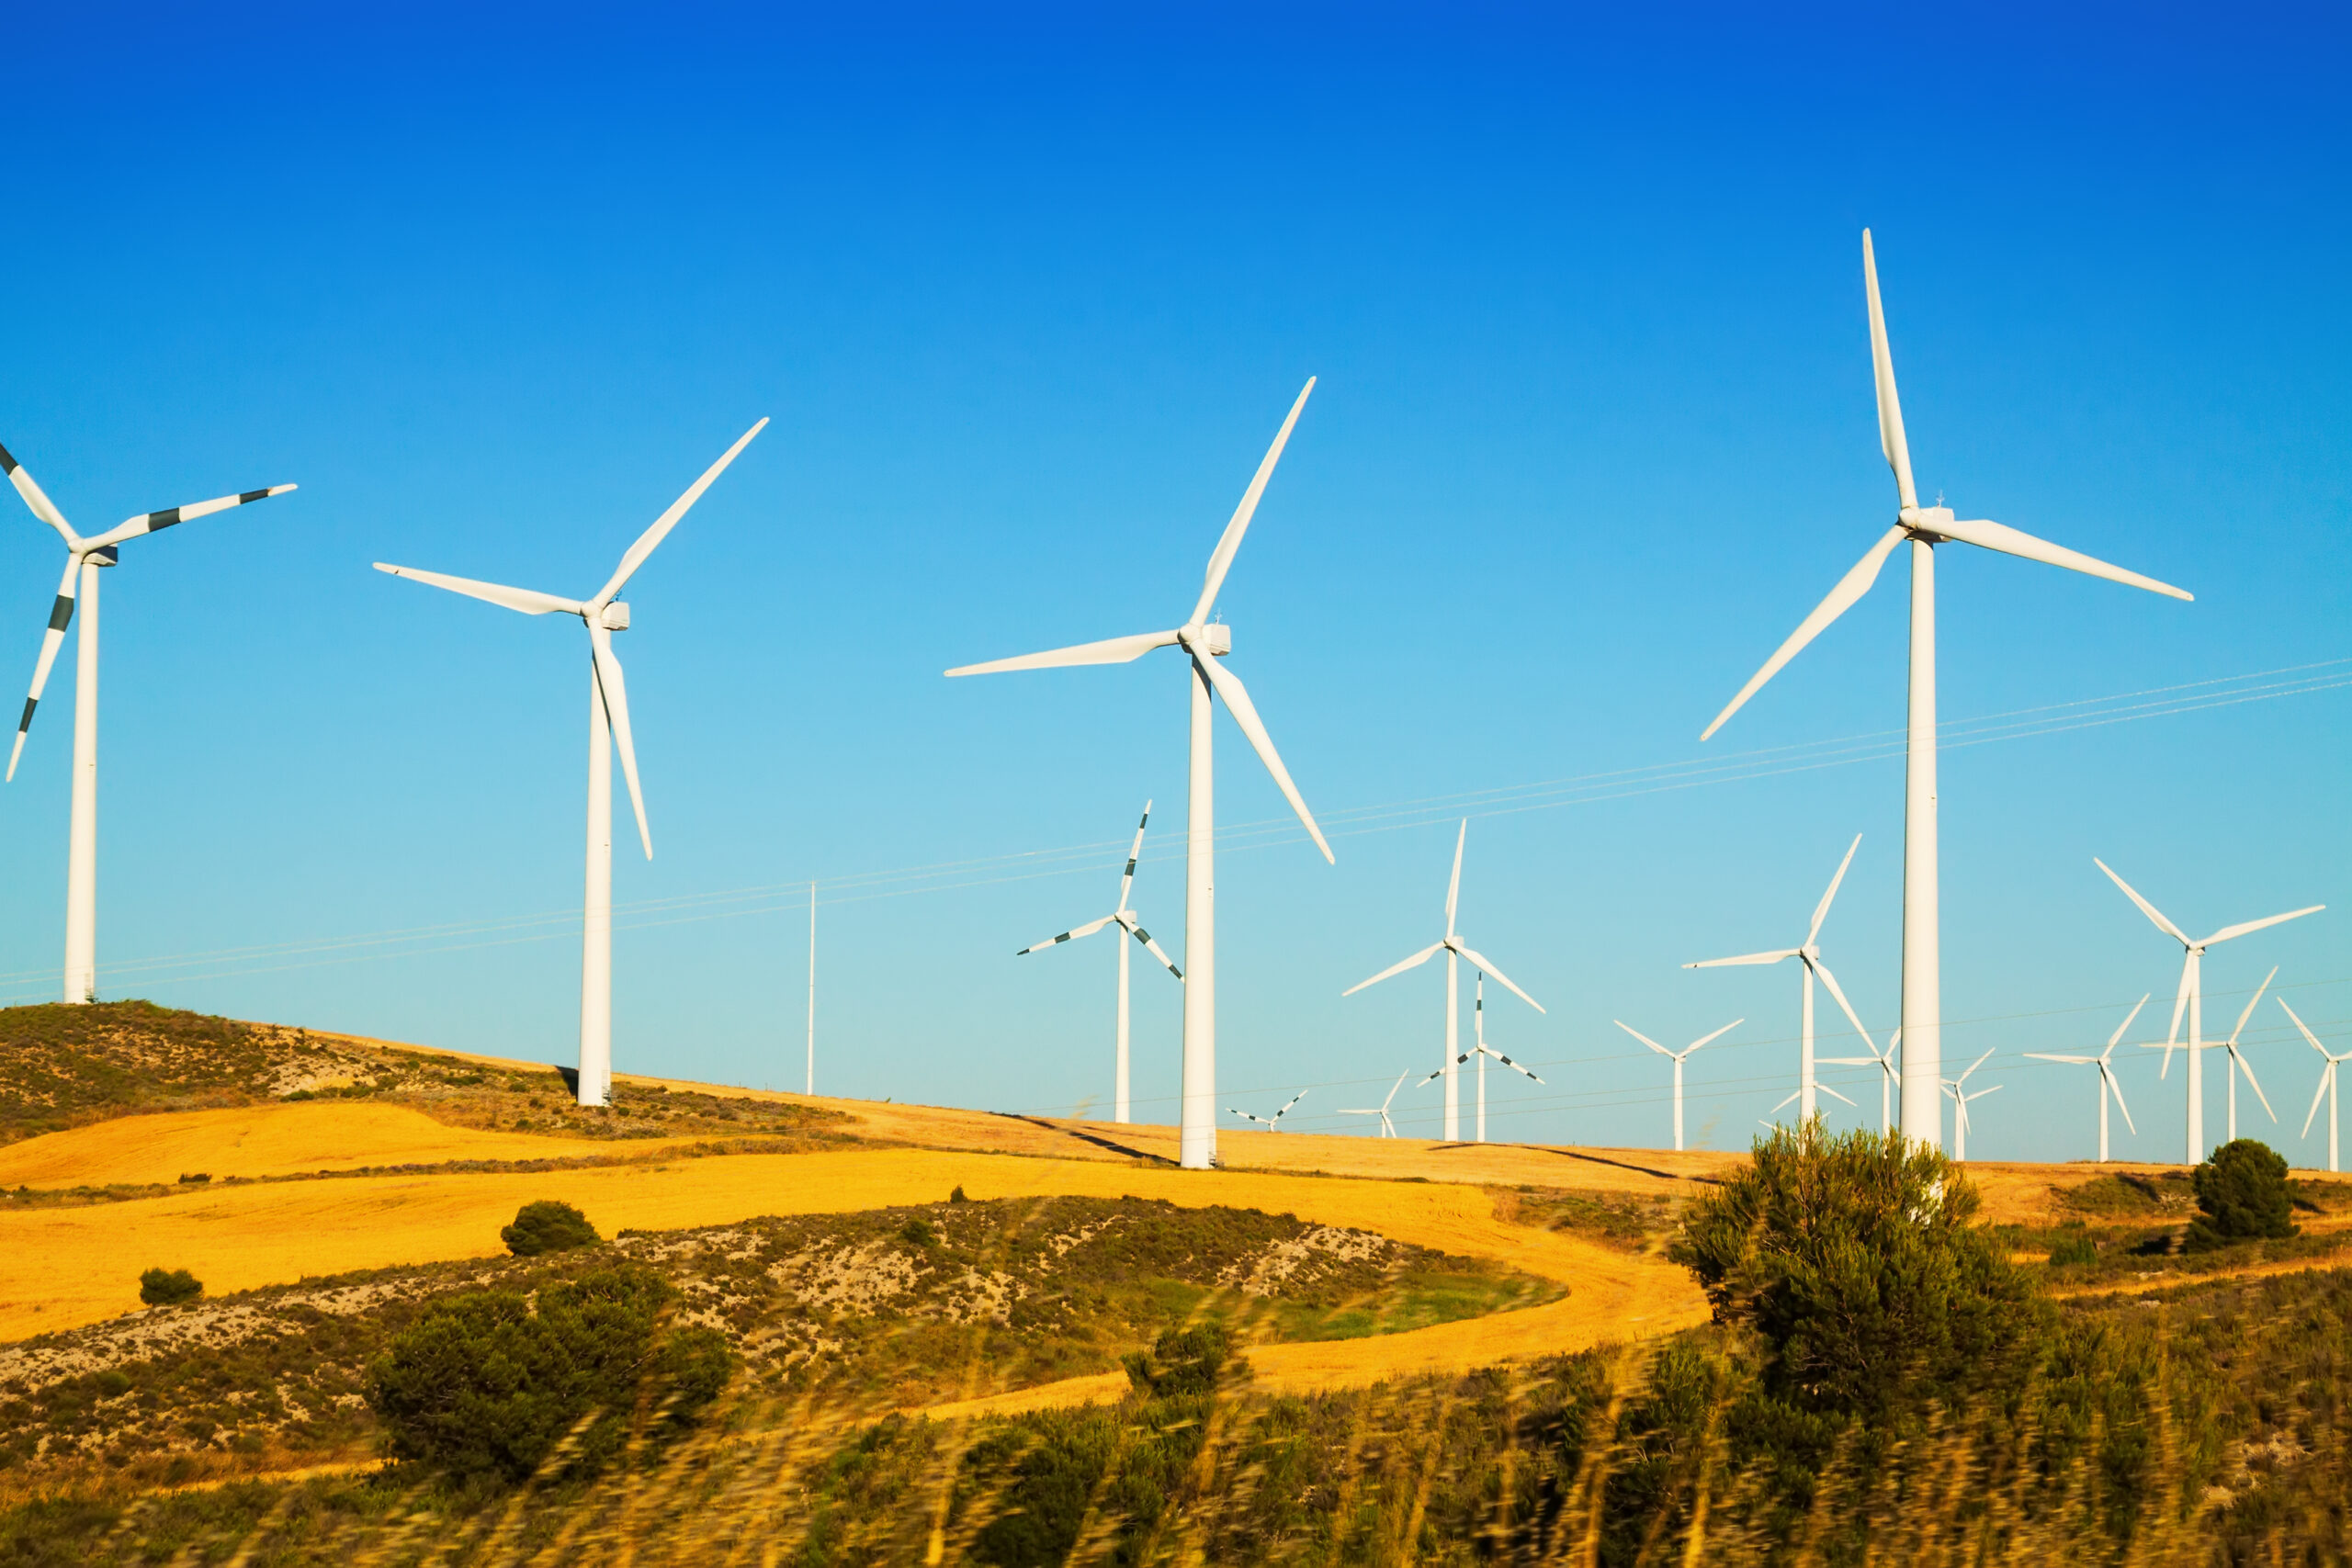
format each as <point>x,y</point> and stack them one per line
<point>1678,1058</point>
<point>1204,644</point>
<point>83,560</point>
<point>1481,1050</point>
<point>1924,527</point>
<point>2326,1083</point>
<point>1808,957</point>
<point>1455,950</point>
<point>2108,1082</point>
<point>1958,1088</point>
<point>609,726</point>
<point>2238,1064</point>
<point>1387,1128</point>
<point>1125,918</point>
<point>2191,995</point>
<point>1889,1073</point>
<point>1272,1124</point>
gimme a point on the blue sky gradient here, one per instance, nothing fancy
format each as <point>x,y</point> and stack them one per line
<point>1026,298</point>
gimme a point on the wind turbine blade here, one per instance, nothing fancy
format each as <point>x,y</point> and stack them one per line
<point>1973,1066</point>
<point>1245,714</point>
<point>2010,541</point>
<point>2116,1084</point>
<point>1111,651</point>
<point>151,522</point>
<point>1890,408</point>
<point>1393,1087</point>
<point>528,600</point>
<point>1832,1093</point>
<point>2148,909</point>
<point>615,690</point>
<point>1821,910</point>
<point>651,538</point>
<point>1070,935</point>
<point>1294,1101</point>
<point>1790,1100</point>
<point>2180,1005</point>
<point>1851,587</point>
<point>1135,854</point>
<point>1843,1005</point>
<point>1482,961</point>
<point>2226,932</point>
<point>1454,887</point>
<point>2128,1018</point>
<point>1773,957</point>
<point>2305,1028</point>
<point>2325,1075</point>
<point>2077,1061</point>
<point>1221,559</point>
<point>2237,1059</point>
<point>1710,1039</point>
<point>61,616</point>
<point>1416,960</point>
<point>2252,1002</point>
<point>1642,1038</point>
<point>1507,1062</point>
<point>36,498</point>
<point>1151,946</point>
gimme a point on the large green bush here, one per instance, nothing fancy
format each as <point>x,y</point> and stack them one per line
<point>2243,1194</point>
<point>484,1385</point>
<point>548,1226</point>
<point>169,1287</point>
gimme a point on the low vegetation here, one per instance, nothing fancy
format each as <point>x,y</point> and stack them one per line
<point>547,1225</point>
<point>2241,1196</point>
<point>169,1287</point>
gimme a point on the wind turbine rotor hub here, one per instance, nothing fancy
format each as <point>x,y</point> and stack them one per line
<point>614,617</point>
<point>1215,640</point>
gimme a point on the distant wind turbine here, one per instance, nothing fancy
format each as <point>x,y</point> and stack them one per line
<point>80,583</point>
<point>2191,995</point>
<point>2238,1064</point>
<point>1889,1073</point>
<point>1482,1051</point>
<point>2108,1082</point>
<point>1924,527</point>
<point>1204,643</point>
<point>1958,1088</point>
<point>608,728</point>
<point>1809,962</point>
<point>1272,1123</point>
<point>1387,1128</point>
<point>1455,950</point>
<point>2326,1083</point>
<point>1678,1058</point>
<point>1125,918</point>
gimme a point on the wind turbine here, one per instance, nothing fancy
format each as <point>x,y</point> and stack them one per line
<point>1924,527</point>
<point>2191,995</point>
<point>1808,957</point>
<point>1204,643</point>
<point>1957,1089</point>
<point>2107,1083</point>
<point>1455,950</point>
<point>83,560</point>
<point>2326,1083</point>
<point>2238,1064</point>
<point>1678,1058</point>
<point>1482,1051</point>
<point>1387,1128</point>
<point>608,727</point>
<point>1125,919</point>
<point>1889,1074</point>
<point>1272,1124</point>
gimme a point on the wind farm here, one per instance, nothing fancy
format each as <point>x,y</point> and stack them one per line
<point>383,1196</point>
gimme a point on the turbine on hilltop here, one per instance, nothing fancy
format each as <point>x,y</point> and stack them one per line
<point>1923,527</point>
<point>79,585</point>
<point>607,727</point>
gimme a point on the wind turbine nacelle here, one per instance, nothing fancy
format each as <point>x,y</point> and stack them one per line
<point>1925,518</point>
<point>1218,637</point>
<point>107,556</point>
<point>614,617</point>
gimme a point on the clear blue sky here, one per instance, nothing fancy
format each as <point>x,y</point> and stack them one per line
<point>1026,300</point>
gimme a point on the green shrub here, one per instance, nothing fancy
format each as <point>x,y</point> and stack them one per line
<point>1851,1258</point>
<point>2068,1249</point>
<point>168,1287</point>
<point>484,1386</point>
<point>957,1195</point>
<point>548,1226</point>
<point>1183,1362</point>
<point>917,1232</point>
<point>2243,1194</point>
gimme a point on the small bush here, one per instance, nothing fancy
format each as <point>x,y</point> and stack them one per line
<point>548,1226</point>
<point>917,1232</point>
<point>2068,1249</point>
<point>2243,1191</point>
<point>195,1177</point>
<point>957,1196</point>
<point>1183,1361</point>
<point>169,1287</point>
